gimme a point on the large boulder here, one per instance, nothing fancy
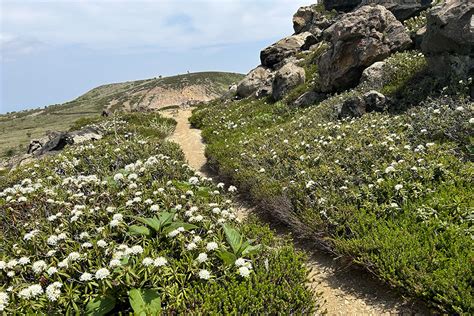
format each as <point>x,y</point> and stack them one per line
<point>286,47</point>
<point>310,19</point>
<point>358,39</point>
<point>256,79</point>
<point>402,9</point>
<point>449,37</point>
<point>308,98</point>
<point>288,77</point>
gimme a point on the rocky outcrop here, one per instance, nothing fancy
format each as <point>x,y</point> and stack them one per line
<point>256,79</point>
<point>359,105</point>
<point>309,19</point>
<point>58,140</point>
<point>286,47</point>
<point>449,37</point>
<point>401,9</point>
<point>358,39</point>
<point>287,78</point>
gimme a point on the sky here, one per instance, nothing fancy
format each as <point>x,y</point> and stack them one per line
<point>54,51</point>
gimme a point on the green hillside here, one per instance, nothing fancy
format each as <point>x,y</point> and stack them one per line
<point>19,128</point>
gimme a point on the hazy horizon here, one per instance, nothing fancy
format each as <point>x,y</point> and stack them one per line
<point>54,51</point>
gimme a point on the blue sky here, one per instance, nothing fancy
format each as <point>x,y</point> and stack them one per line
<point>54,51</point>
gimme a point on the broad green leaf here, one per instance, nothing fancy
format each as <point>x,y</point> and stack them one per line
<point>233,237</point>
<point>145,301</point>
<point>100,306</point>
<point>152,222</point>
<point>251,250</point>
<point>227,256</point>
<point>165,218</point>
<point>139,230</point>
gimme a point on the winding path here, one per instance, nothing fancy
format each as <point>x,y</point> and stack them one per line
<point>346,290</point>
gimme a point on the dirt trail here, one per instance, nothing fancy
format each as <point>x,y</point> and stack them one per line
<point>346,290</point>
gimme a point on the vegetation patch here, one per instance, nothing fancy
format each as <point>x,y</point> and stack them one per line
<point>123,225</point>
<point>391,191</point>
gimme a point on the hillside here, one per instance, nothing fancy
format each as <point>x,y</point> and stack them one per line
<point>19,128</point>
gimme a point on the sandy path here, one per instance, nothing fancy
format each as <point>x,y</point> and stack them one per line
<point>345,290</point>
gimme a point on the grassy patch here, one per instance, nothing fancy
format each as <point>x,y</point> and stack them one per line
<point>391,191</point>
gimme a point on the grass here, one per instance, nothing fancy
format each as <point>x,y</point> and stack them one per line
<point>129,211</point>
<point>392,191</point>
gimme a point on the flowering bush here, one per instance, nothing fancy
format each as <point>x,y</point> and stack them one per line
<point>391,191</point>
<point>122,225</point>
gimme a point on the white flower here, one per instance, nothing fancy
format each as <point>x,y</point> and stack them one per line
<point>102,243</point>
<point>202,257</point>
<point>86,276</point>
<point>52,240</point>
<point>191,246</point>
<point>154,208</point>
<point>173,233</point>
<point>398,187</point>
<point>74,256</point>
<point>23,261</point>
<point>436,111</point>
<point>31,292</point>
<point>204,274</point>
<point>220,185</point>
<point>102,273</point>
<point>118,177</point>
<point>3,265</point>
<point>232,189</point>
<point>136,250</point>
<point>63,264</point>
<point>197,239</point>
<point>114,223</point>
<point>3,301</point>
<point>389,169</point>
<point>53,291</point>
<point>147,261</point>
<point>193,180</point>
<point>12,263</point>
<point>118,217</point>
<point>459,109</point>
<point>86,245</point>
<point>51,270</point>
<point>39,266</point>
<point>160,261</point>
<point>212,246</point>
<point>240,262</point>
<point>115,263</point>
<point>244,271</point>
<point>262,170</point>
<point>471,120</point>
<point>133,176</point>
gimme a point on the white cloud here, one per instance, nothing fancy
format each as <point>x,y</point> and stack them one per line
<point>161,24</point>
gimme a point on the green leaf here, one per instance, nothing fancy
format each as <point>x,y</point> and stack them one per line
<point>100,306</point>
<point>152,222</point>
<point>251,250</point>
<point>139,230</point>
<point>227,256</point>
<point>145,301</point>
<point>233,237</point>
<point>165,218</point>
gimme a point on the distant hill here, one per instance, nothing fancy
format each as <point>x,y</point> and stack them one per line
<point>18,128</point>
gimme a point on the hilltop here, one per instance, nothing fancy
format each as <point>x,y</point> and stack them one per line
<point>19,128</point>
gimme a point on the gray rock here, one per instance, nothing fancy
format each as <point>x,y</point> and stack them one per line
<point>286,47</point>
<point>359,105</point>
<point>373,75</point>
<point>308,98</point>
<point>287,78</point>
<point>256,79</point>
<point>309,19</point>
<point>449,39</point>
<point>56,141</point>
<point>401,9</point>
<point>358,39</point>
